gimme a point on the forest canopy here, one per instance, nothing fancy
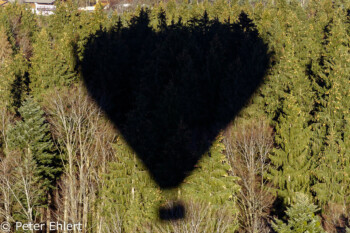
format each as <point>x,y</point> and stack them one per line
<point>252,96</point>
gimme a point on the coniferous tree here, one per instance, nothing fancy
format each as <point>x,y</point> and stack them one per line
<point>53,62</point>
<point>301,217</point>
<point>330,126</point>
<point>32,135</point>
<point>305,94</point>
<point>212,182</point>
<point>20,24</point>
<point>293,46</point>
<point>291,160</point>
<point>129,196</point>
<point>17,76</point>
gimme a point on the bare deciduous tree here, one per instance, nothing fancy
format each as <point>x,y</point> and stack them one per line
<point>84,137</point>
<point>6,171</point>
<point>247,149</point>
<point>6,167</point>
<point>20,186</point>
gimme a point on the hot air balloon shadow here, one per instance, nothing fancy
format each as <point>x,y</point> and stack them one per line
<point>172,89</point>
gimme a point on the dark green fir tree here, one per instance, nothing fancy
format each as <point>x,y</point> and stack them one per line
<point>32,135</point>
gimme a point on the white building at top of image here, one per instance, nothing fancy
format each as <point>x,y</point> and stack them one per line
<point>42,7</point>
<point>39,7</point>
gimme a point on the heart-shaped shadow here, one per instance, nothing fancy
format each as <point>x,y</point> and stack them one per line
<point>171,90</point>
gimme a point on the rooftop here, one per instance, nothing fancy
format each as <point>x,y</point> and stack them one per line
<point>40,1</point>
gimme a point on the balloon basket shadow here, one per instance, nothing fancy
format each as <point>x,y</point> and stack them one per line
<point>172,211</point>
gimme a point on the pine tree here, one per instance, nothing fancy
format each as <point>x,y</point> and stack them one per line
<point>32,134</point>
<point>17,25</point>
<point>293,40</point>
<point>20,24</point>
<point>16,74</point>
<point>64,19</point>
<point>74,26</point>
<point>52,64</point>
<point>211,182</point>
<point>129,197</point>
<point>301,217</point>
<point>331,125</point>
<point>291,159</point>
